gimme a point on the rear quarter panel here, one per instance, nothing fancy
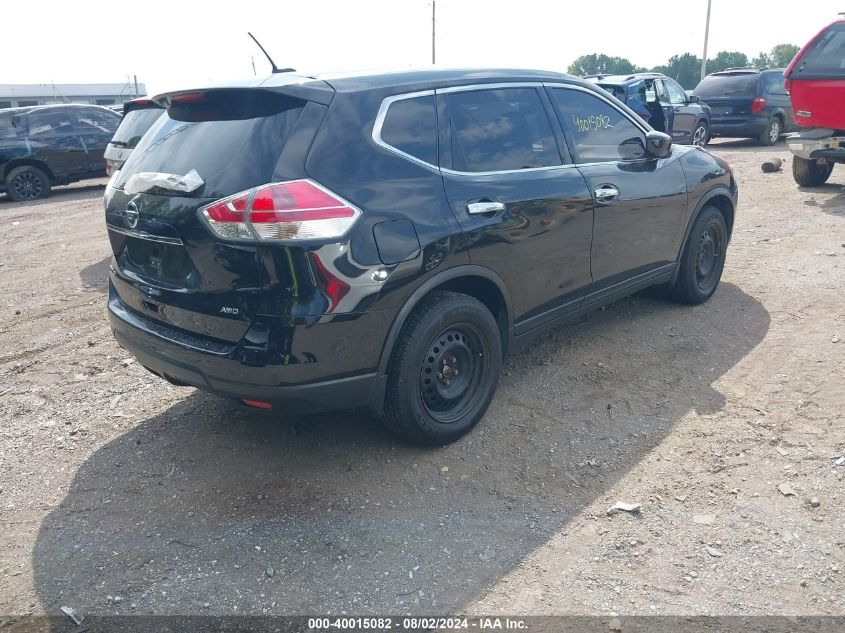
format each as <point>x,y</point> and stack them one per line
<point>386,187</point>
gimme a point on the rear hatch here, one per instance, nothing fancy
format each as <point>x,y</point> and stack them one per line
<point>138,117</point>
<point>729,95</point>
<point>816,80</point>
<point>167,263</point>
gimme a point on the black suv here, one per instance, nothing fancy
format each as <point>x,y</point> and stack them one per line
<point>313,243</point>
<point>662,103</point>
<point>747,103</point>
<point>43,146</point>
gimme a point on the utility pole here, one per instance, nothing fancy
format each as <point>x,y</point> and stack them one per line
<point>433,40</point>
<point>706,36</point>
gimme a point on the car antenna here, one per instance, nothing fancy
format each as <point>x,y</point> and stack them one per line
<point>276,69</point>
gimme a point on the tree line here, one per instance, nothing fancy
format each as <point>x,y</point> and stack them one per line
<point>686,68</point>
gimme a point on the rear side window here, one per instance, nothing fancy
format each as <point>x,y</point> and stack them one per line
<point>773,83</point>
<point>49,122</point>
<point>411,127</point>
<point>499,130</point>
<point>11,127</point>
<point>599,131</point>
<point>133,126</point>
<point>97,121</point>
<point>727,85</point>
<point>232,138</point>
<point>827,56</point>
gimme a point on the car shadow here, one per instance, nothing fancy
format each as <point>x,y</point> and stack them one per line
<point>202,509</point>
<point>746,144</point>
<point>96,275</point>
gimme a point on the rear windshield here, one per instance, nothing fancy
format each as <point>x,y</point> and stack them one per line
<point>133,126</point>
<point>727,85</point>
<point>616,91</point>
<point>232,138</point>
<point>827,57</point>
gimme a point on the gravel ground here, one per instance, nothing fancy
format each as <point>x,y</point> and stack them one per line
<point>121,494</point>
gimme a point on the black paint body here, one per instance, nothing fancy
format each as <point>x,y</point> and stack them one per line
<point>551,254</point>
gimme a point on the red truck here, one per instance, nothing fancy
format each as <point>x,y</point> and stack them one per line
<point>815,80</point>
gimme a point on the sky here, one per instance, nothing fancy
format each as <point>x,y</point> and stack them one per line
<point>180,44</point>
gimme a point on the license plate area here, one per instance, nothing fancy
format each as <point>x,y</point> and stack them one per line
<point>167,263</point>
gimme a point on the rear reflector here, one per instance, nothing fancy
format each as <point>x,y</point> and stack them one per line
<point>295,210</point>
<point>257,404</point>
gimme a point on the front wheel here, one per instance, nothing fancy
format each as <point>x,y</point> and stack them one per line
<point>444,369</point>
<point>809,173</point>
<point>702,258</point>
<point>701,134</point>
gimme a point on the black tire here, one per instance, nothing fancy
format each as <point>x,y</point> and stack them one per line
<point>771,134</point>
<point>26,183</point>
<point>702,258</point>
<point>808,173</point>
<point>443,371</point>
<point>701,134</point>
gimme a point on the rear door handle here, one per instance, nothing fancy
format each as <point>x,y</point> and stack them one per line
<point>476,208</point>
<point>607,194</point>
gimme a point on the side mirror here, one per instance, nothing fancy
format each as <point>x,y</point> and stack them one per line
<point>694,98</point>
<point>658,144</point>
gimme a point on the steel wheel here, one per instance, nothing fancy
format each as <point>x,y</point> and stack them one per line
<point>708,257</point>
<point>27,186</point>
<point>451,372</point>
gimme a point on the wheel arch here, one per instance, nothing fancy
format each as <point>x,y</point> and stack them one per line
<point>33,162</point>
<point>719,197</point>
<point>475,281</point>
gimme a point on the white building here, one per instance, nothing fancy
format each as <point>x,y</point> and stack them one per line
<point>15,95</point>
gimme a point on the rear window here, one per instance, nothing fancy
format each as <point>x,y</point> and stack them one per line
<point>500,130</point>
<point>133,126</point>
<point>616,91</point>
<point>11,127</point>
<point>411,127</point>
<point>727,85</point>
<point>232,138</point>
<point>827,57</point>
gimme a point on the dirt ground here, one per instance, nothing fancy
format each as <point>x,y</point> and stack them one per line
<point>122,494</point>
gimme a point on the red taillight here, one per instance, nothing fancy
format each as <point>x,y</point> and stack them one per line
<point>296,210</point>
<point>257,404</point>
<point>188,97</point>
<point>758,105</point>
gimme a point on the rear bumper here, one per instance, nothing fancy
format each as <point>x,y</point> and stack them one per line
<point>814,144</point>
<point>742,128</point>
<point>327,368</point>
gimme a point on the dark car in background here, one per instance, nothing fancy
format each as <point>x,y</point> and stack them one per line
<point>662,103</point>
<point>44,146</point>
<point>138,117</point>
<point>312,243</point>
<point>747,103</point>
